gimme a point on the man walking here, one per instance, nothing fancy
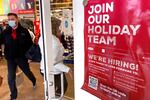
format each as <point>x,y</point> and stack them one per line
<point>17,41</point>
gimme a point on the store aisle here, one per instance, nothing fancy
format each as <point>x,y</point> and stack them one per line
<point>25,90</point>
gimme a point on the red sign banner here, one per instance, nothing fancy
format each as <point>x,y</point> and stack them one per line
<point>117,49</point>
<point>26,11</point>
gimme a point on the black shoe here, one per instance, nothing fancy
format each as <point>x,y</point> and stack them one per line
<point>12,99</point>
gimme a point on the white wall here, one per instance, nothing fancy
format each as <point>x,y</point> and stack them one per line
<point>79,52</point>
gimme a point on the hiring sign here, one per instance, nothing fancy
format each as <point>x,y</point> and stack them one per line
<point>117,50</point>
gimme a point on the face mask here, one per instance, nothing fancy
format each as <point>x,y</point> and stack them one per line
<point>12,23</point>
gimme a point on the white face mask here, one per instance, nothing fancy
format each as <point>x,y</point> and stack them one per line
<point>12,23</point>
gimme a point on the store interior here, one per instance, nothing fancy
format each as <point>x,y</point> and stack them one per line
<point>27,20</point>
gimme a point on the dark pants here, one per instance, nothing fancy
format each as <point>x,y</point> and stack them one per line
<point>57,79</point>
<point>12,66</point>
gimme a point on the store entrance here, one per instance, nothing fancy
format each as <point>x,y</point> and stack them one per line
<point>24,85</point>
<point>61,36</point>
<point>58,45</point>
<point>62,10</point>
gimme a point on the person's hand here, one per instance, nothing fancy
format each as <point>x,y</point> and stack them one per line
<point>29,60</point>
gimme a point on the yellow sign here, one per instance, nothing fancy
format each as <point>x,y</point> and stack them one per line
<point>1,7</point>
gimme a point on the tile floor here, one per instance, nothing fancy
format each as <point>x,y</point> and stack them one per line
<point>25,90</point>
